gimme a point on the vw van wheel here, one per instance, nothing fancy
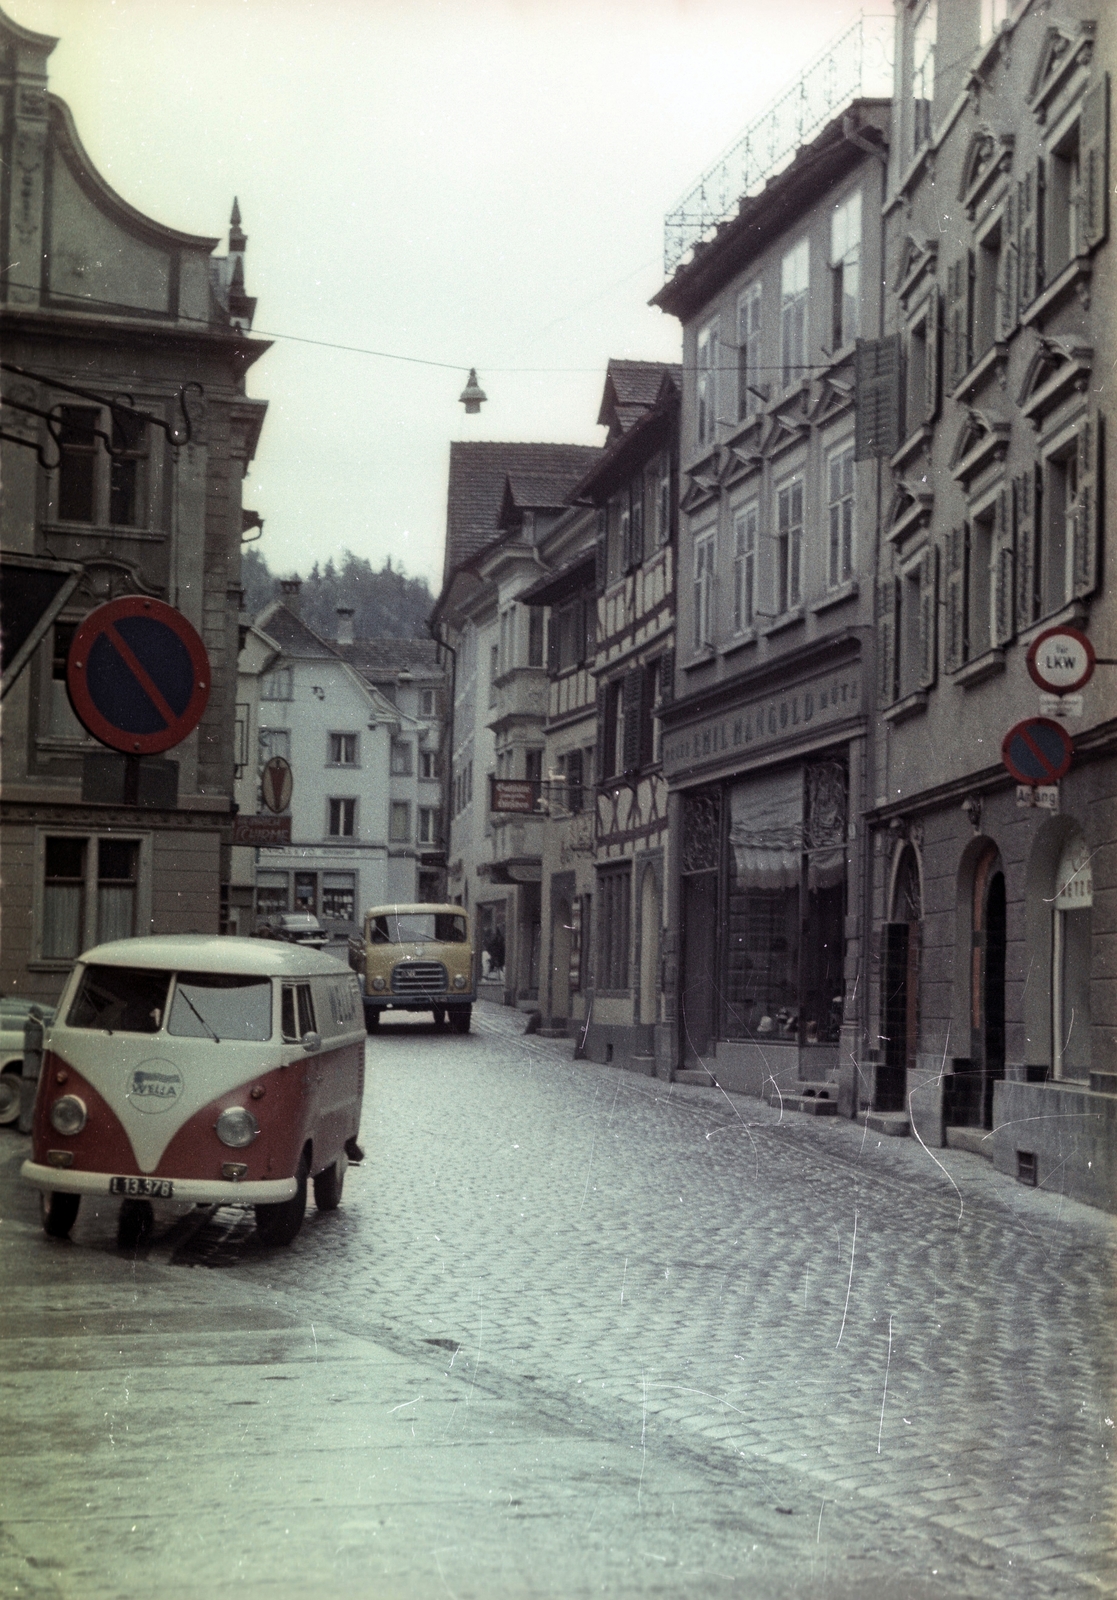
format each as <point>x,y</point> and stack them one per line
<point>60,1212</point>
<point>136,1225</point>
<point>280,1224</point>
<point>327,1188</point>
<point>372,1020</point>
<point>10,1080</point>
<point>439,1015</point>
<point>459,1018</point>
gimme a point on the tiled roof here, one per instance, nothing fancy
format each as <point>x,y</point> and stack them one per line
<point>292,636</point>
<point>537,491</point>
<point>631,388</point>
<point>478,470</point>
<point>374,656</point>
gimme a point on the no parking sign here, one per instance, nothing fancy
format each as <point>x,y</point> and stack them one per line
<point>138,675</point>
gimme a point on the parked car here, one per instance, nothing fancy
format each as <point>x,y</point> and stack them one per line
<point>297,927</point>
<point>416,958</point>
<point>13,1014</point>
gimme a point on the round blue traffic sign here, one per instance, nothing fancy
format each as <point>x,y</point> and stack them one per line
<point>138,675</point>
<point>1037,750</point>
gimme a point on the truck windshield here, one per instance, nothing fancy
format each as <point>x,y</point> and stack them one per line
<point>417,927</point>
<point>221,1005</point>
<point>120,999</point>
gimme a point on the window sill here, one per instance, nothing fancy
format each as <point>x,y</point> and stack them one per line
<point>836,597</point>
<point>990,664</point>
<point>1075,273</point>
<point>1074,614</point>
<point>741,641</point>
<point>704,659</point>
<point>991,361</point>
<point>911,446</point>
<point>912,705</point>
<point>787,620</point>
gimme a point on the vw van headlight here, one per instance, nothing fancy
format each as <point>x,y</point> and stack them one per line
<point>67,1115</point>
<point>379,983</point>
<point>459,981</point>
<point>237,1127</point>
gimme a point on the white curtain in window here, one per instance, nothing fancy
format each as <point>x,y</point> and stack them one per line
<point>766,830</point>
<point>116,911</point>
<point>62,921</point>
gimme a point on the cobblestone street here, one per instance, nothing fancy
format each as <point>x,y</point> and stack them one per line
<point>572,1331</point>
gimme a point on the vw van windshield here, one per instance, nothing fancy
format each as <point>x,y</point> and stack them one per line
<point>417,927</point>
<point>221,1005</point>
<point>120,999</point>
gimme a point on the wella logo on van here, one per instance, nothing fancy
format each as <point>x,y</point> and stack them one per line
<point>154,1087</point>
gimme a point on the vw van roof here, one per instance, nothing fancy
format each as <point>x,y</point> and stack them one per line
<point>422,906</point>
<point>204,952</point>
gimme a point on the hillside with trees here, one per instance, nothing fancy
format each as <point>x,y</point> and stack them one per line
<point>386,604</point>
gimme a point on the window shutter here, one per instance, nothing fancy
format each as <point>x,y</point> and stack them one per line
<point>632,696</point>
<point>928,617</point>
<point>956,323</point>
<point>601,553</point>
<point>1003,573</point>
<point>886,642</point>
<point>877,380</point>
<point>667,677</point>
<point>1008,285</point>
<point>933,358</point>
<point>1024,506</point>
<point>1087,509</point>
<point>599,759</point>
<point>1093,143</point>
<point>955,599</point>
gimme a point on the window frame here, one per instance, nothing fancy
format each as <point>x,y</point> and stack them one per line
<point>104,469</point>
<point>745,549</point>
<point>847,535</point>
<point>795,314</point>
<point>787,569</point>
<point>613,895</point>
<point>845,270</point>
<point>705,383</point>
<point>750,394</point>
<point>90,911</point>
<point>397,808</point>
<point>704,590</point>
<point>344,741</point>
<point>346,812</point>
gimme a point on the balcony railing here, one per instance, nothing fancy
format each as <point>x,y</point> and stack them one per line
<point>856,64</point>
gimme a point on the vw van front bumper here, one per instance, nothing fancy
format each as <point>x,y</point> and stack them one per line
<point>198,1191</point>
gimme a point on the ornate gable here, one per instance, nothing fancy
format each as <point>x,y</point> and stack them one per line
<point>1057,366</point>
<point>833,396</point>
<point>918,260</point>
<point>981,439</point>
<point>988,157</point>
<point>1064,50</point>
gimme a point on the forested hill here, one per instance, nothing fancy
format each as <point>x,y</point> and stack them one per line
<point>386,604</point>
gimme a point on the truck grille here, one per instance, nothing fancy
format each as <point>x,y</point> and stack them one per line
<point>419,978</point>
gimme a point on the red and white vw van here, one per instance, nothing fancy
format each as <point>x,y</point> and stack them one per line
<point>207,1070</point>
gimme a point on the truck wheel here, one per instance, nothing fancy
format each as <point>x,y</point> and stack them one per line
<point>60,1212</point>
<point>372,1020</point>
<point>136,1224</point>
<point>327,1188</point>
<point>459,1018</point>
<point>10,1080</point>
<point>280,1224</point>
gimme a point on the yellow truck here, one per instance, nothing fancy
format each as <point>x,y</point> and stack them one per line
<point>416,958</point>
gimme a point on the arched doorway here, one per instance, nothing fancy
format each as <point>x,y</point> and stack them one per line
<point>973,1086</point>
<point>649,947</point>
<point>900,942</point>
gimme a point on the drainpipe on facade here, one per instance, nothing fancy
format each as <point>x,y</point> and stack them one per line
<point>448,761</point>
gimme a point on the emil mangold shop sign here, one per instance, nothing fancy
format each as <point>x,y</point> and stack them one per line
<point>789,715</point>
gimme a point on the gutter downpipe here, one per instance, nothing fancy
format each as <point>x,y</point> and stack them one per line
<point>448,780</point>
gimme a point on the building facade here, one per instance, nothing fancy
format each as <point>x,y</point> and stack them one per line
<point>766,742</point>
<point>137,496</point>
<point>992,906</point>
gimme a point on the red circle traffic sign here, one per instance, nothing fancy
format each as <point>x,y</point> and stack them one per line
<point>1061,660</point>
<point>1037,750</point>
<point>138,675</point>
<point>276,784</point>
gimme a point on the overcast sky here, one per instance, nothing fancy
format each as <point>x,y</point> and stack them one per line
<point>481,183</point>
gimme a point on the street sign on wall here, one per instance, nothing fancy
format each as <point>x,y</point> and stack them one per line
<point>1037,750</point>
<point>1061,660</point>
<point>277,784</point>
<point>138,675</point>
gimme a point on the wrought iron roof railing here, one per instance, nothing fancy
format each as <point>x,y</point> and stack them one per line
<point>856,64</point>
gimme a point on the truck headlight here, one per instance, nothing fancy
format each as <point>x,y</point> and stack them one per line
<point>237,1127</point>
<point>67,1115</point>
<point>378,984</point>
<point>459,981</point>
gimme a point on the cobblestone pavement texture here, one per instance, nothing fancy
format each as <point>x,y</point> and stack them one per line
<point>572,1331</point>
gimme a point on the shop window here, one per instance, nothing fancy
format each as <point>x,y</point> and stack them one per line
<point>399,822</point>
<point>343,749</point>
<point>306,892</point>
<point>339,896</point>
<point>271,894</point>
<point>706,384</point>
<point>750,390</point>
<point>840,555</point>
<point>705,555</point>
<point>342,818</point>
<point>765,867</point>
<point>794,290</point>
<point>745,524</point>
<point>614,894</point>
<point>845,271</point>
<point>789,546</point>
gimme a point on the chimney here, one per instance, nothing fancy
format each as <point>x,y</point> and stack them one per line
<point>290,590</point>
<point>344,625</point>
